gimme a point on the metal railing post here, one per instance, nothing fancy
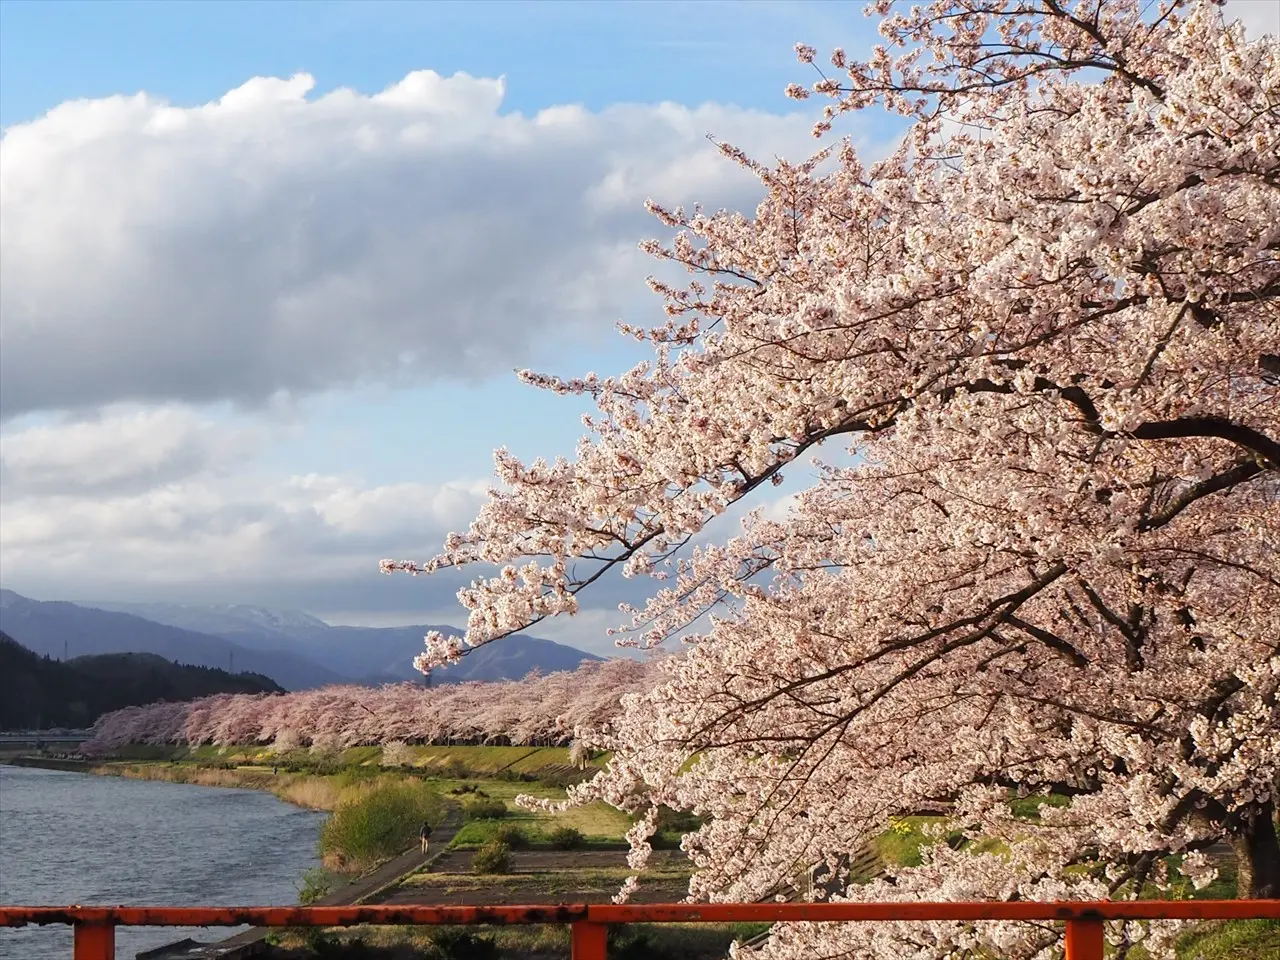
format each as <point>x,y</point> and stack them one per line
<point>590,940</point>
<point>95,941</point>
<point>1084,939</point>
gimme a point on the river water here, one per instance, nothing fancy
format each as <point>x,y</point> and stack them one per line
<point>78,838</point>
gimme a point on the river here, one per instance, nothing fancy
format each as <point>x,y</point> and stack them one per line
<point>78,838</point>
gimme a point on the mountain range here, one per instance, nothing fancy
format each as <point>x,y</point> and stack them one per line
<point>295,649</point>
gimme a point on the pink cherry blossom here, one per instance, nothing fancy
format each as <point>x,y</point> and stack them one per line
<point>1047,325</point>
<point>537,710</point>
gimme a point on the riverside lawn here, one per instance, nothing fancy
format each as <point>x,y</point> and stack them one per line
<point>458,775</point>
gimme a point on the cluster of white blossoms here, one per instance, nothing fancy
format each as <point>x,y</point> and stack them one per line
<point>1049,325</point>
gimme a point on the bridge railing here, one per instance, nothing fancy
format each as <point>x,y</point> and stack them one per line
<point>589,923</point>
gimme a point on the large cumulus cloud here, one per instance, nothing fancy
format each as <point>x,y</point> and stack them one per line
<point>272,241</point>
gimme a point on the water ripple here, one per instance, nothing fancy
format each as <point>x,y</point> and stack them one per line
<point>79,838</point>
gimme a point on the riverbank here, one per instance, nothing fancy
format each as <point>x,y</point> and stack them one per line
<point>65,764</point>
<point>311,791</point>
<point>319,782</point>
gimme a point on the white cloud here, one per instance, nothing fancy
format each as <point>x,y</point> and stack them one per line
<point>120,451</point>
<point>166,267</point>
<point>270,242</point>
<point>166,496</point>
<point>382,511</point>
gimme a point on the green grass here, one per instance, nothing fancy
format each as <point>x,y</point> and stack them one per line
<point>479,832</point>
<point>603,880</point>
<point>506,790</point>
<point>600,824</point>
<point>477,759</point>
<point>700,941</point>
<point>378,823</point>
<point>901,844</point>
<point>1232,940</point>
<point>1028,808</point>
<point>545,757</point>
<point>361,756</point>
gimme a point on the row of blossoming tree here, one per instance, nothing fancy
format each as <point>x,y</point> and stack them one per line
<point>1047,322</point>
<point>541,710</point>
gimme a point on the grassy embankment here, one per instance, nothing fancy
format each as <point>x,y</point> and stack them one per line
<point>358,789</point>
<point>486,780</point>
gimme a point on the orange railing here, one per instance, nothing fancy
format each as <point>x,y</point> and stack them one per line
<point>95,926</point>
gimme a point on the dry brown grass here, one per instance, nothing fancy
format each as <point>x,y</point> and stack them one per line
<point>314,793</point>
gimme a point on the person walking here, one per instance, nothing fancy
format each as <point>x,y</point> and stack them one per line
<point>425,834</point>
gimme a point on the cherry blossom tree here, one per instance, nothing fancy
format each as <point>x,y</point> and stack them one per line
<point>1047,326</point>
<point>396,753</point>
<point>536,710</point>
<point>286,741</point>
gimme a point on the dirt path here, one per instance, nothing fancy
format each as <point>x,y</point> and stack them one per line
<point>547,861</point>
<point>540,876</point>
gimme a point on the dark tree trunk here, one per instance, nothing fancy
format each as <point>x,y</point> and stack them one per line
<point>1258,855</point>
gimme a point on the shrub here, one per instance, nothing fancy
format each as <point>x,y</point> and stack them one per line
<point>452,769</point>
<point>483,808</point>
<point>512,836</point>
<point>566,838</point>
<point>379,822</point>
<point>324,765</point>
<point>355,776</point>
<point>453,943</point>
<point>681,821</point>
<point>317,884</point>
<point>493,857</point>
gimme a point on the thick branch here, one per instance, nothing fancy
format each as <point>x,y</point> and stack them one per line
<point>1223,481</point>
<point>1219,427</point>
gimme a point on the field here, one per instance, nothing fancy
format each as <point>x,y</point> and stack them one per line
<point>540,877</point>
<point>535,869</point>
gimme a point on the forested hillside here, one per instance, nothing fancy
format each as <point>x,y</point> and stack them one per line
<point>38,692</point>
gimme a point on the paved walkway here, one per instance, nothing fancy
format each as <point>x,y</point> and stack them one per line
<point>253,942</point>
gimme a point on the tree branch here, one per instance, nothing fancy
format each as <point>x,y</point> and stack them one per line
<point>1219,427</point>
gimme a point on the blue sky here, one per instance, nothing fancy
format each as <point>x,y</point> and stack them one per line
<point>165,436</point>
<point>575,52</point>
<point>259,332</point>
